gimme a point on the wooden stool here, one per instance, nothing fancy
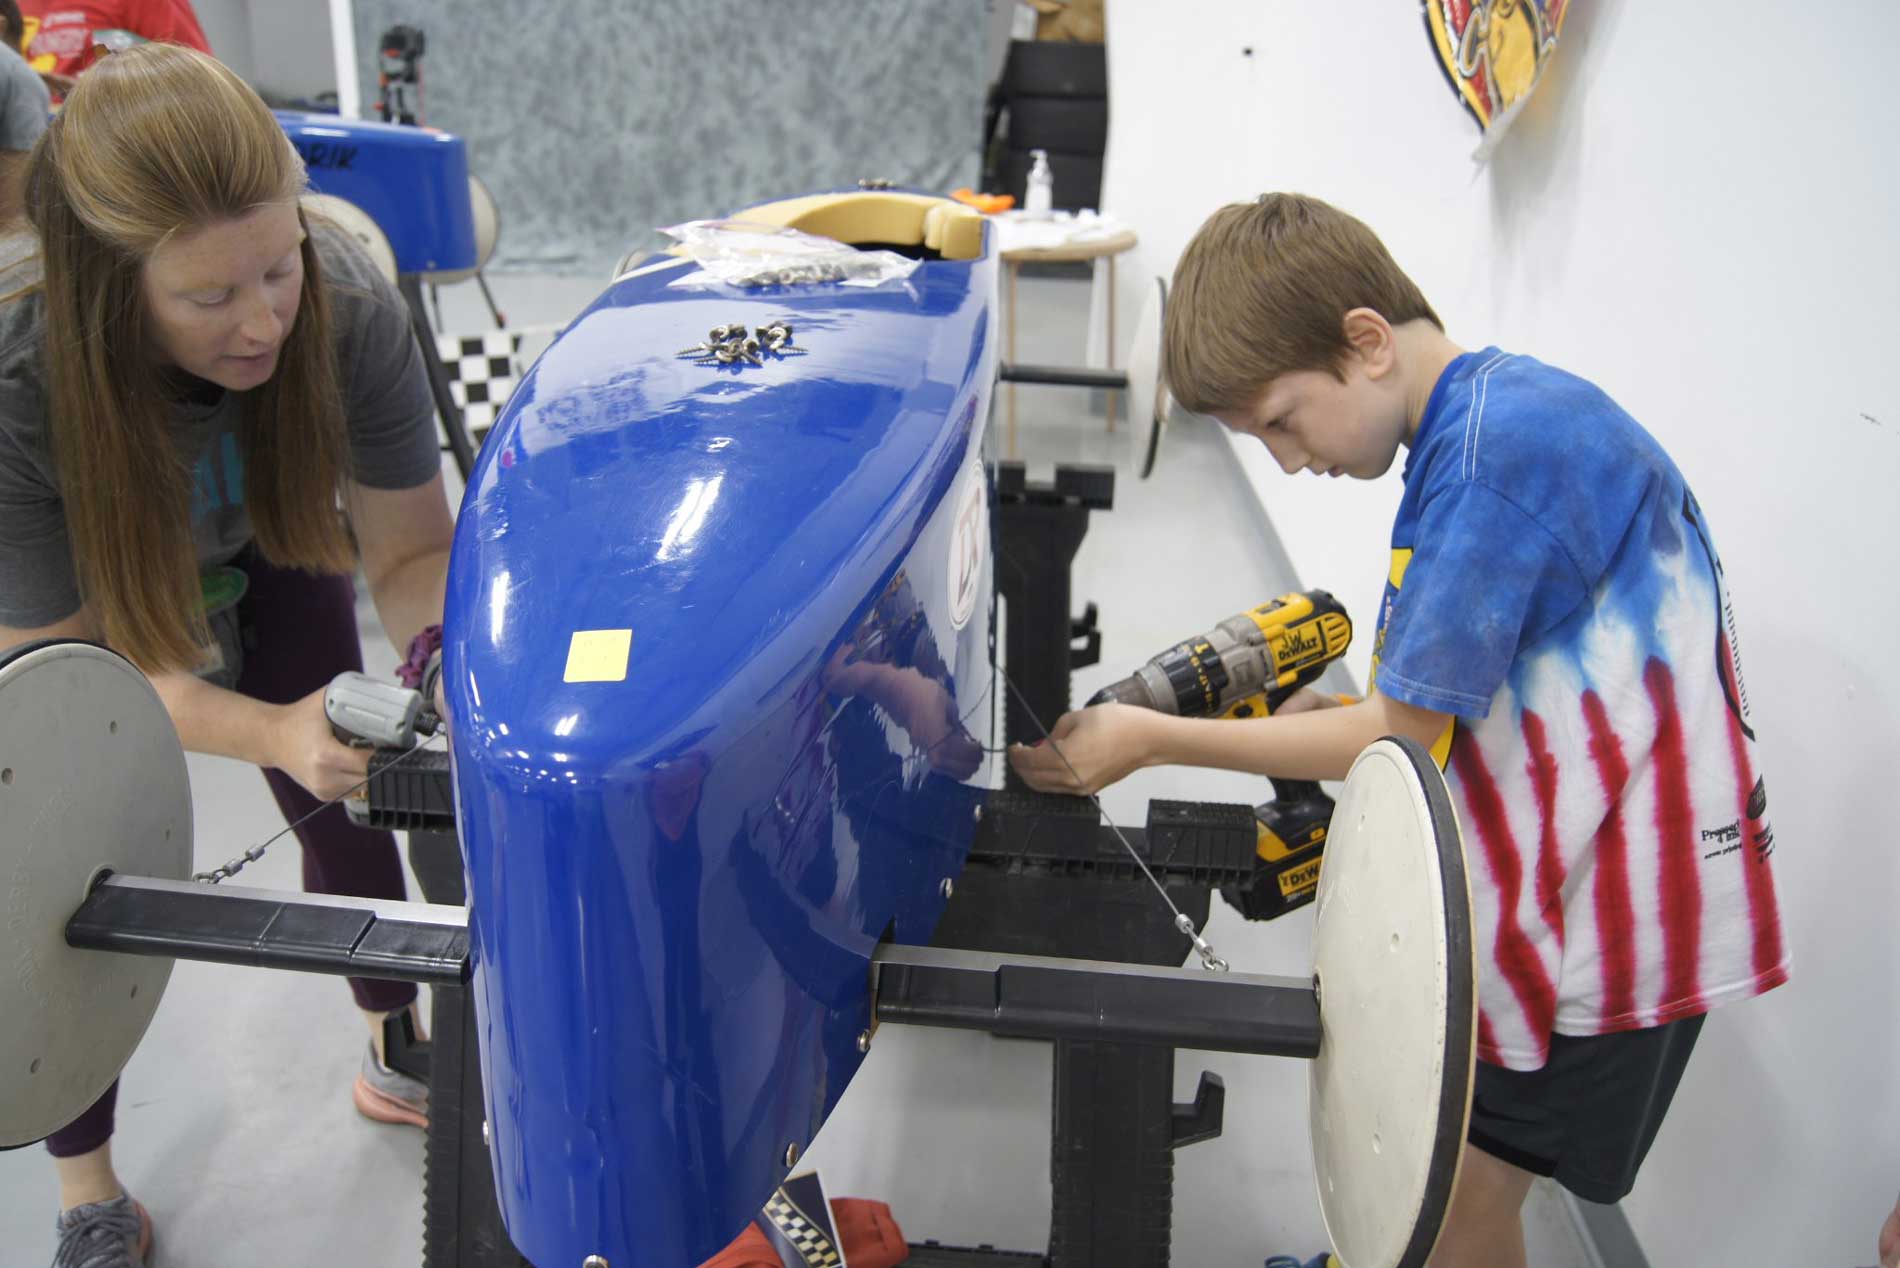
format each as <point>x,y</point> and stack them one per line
<point>1105,248</point>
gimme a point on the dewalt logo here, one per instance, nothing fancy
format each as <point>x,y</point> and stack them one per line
<point>1304,640</point>
<point>1299,880</point>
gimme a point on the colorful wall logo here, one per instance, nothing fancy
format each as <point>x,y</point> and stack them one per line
<point>1493,52</point>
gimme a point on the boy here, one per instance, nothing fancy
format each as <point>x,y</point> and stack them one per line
<point>1555,627</point>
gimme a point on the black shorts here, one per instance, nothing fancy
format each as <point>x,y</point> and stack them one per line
<point>1588,1117</point>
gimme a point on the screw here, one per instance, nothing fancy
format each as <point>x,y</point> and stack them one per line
<point>594,1261</point>
<point>864,1041</point>
<point>949,887</point>
<point>791,1159</point>
<point>977,814</point>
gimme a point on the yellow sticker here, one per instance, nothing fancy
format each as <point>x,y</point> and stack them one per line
<point>598,656</point>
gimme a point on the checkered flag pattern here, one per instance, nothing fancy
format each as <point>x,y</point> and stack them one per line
<point>483,370</point>
<point>815,1250</point>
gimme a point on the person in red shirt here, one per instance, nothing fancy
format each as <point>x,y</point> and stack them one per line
<point>60,33</point>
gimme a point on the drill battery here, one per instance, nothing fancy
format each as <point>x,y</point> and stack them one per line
<point>1291,837</point>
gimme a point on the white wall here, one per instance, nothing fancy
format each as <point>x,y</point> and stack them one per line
<point>227,28</point>
<point>1698,211</point>
<point>282,49</point>
<point>290,48</point>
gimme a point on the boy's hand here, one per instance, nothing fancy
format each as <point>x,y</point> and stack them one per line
<point>1099,745</point>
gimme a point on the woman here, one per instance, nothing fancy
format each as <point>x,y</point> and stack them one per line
<point>211,409</point>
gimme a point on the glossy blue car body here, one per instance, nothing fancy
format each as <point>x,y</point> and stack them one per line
<point>413,182</point>
<point>719,657</point>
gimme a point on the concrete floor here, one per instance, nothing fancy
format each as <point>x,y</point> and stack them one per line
<point>235,1124</point>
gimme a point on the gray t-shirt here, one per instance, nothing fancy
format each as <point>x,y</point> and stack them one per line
<point>24,102</point>
<point>386,401</point>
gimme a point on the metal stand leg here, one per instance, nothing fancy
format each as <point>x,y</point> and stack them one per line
<point>1109,264</point>
<point>452,426</point>
<point>1009,449</point>
<point>501,322</point>
<point>1111,1161</point>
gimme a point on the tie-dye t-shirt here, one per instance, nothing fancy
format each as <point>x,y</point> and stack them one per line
<point>1555,587</point>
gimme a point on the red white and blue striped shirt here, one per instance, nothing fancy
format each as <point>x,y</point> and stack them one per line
<point>1555,587</point>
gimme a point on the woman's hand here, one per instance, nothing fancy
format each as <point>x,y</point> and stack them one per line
<point>1098,746</point>
<point>304,748</point>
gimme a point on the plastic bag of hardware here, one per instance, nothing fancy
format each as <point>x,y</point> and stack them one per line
<point>739,253</point>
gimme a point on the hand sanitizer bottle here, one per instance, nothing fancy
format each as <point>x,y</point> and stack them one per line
<point>1039,197</point>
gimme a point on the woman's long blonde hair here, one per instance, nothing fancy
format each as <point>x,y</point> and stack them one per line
<point>155,141</point>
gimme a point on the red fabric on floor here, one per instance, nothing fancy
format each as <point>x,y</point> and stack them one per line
<point>869,1233</point>
<point>750,1250</point>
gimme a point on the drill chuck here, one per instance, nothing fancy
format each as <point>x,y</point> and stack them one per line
<point>381,714</point>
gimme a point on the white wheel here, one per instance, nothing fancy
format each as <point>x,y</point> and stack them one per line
<point>91,778</point>
<point>1149,400</point>
<point>1390,1091</point>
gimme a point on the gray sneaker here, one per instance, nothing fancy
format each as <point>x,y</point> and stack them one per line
<point>115,1234</point>
<point>388,1096</point>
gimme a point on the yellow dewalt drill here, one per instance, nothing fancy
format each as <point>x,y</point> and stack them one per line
<point>1246,667</point>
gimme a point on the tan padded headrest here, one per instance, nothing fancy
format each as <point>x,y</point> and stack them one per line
<point>949,228</point>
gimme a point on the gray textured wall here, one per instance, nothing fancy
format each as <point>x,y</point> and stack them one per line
<point>595,121</point>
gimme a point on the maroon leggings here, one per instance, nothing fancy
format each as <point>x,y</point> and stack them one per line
<point>299,632</point>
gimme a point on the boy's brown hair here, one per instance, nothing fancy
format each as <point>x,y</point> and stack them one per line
<point>1263,289</point>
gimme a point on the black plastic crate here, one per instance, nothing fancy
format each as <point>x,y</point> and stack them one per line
<point>1055,68</point>
<point>1073,125</point>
